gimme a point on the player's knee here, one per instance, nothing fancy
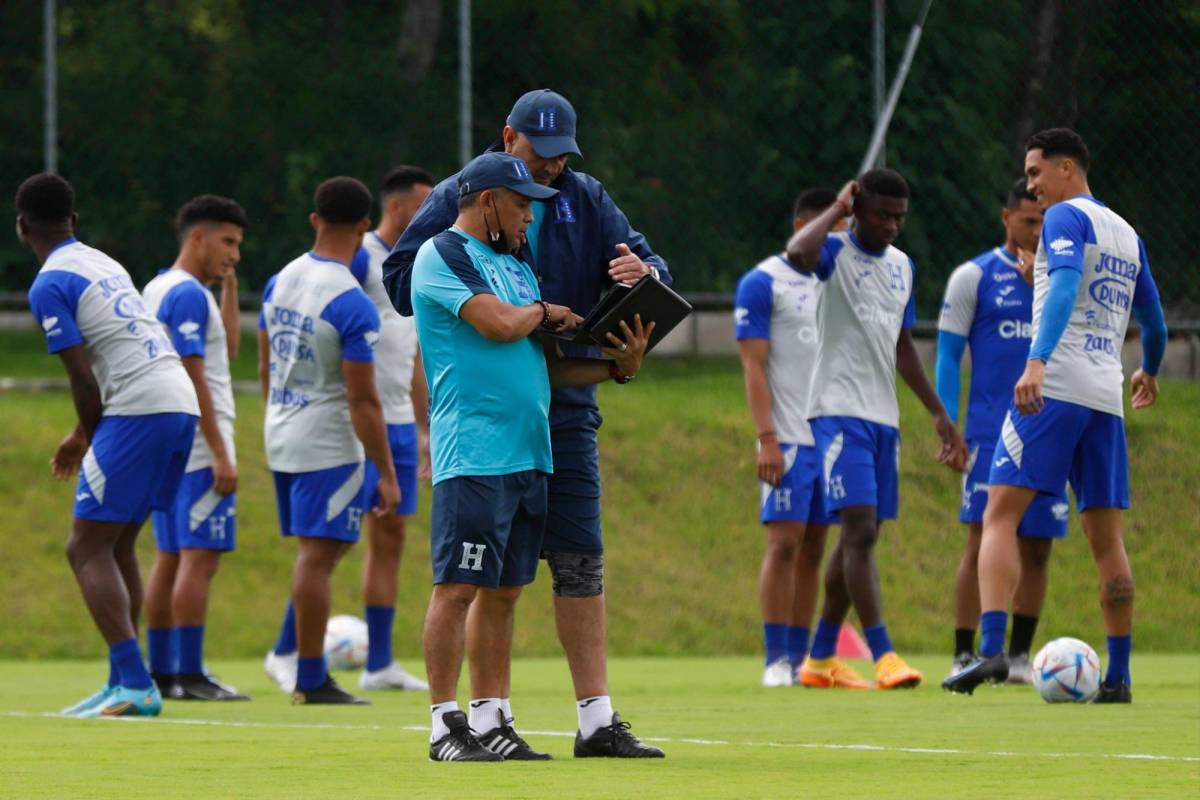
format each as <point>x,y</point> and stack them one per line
<point>576,575</point>
<point>860,535</point>
<point>782,549</point>
<point>1035,553</point>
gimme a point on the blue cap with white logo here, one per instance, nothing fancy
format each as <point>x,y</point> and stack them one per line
<point>548,119</point>
<point>492,170</point>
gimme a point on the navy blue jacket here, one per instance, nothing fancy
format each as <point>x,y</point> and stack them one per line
<point>578,238</point>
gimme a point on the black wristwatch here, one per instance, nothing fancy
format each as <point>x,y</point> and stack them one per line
<point>615,373</point>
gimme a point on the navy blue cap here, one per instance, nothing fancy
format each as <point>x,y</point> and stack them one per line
<point>548,119</point>
<point>492,170</point>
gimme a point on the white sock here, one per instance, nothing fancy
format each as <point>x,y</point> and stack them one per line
<point>594,713</point>
<point>506,707</point>
<point>485,714</point>
<point>439,728</point>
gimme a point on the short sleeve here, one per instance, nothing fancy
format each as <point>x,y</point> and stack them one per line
<point>184,313</point>
<point>1065,232</point>
<point>444,274</point>
<point>268,291</point>
<point>910,309</point>
<point>54,300</point>
<point>829,253</point>
<point>359,265</point>
<point>753,304</point>
<point>962,296</point>
<point>1145,291</point>
<point>357,322</point>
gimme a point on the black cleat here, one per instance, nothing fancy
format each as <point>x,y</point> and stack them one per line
<point>168,685</point>
<point>460,744</point>
<point>508,743</point>
<point>992,669</point>
<point>328,693</point>
<point>1114,693</point>
<point>614,741</point>
<point>198,686</point>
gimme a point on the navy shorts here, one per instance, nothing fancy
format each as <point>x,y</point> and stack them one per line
<point>199,519</point>
<point>799,496</point>
<point>486,530</point>
<point>324,503</point>
<point>573,491</point>
<point>1046,517</point>
<point>402,439</point>
<point>860,463</point>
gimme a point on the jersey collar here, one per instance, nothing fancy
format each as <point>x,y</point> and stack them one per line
<point>854,241</point>
<point>62,244</point>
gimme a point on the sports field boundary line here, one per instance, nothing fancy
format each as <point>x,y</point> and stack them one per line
<point>870,748</point>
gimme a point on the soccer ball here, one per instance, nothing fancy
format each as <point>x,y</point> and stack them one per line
<point>346,642</point>
<point>1067,671</point>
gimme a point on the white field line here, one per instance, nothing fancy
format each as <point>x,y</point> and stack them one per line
<point>874,748</point>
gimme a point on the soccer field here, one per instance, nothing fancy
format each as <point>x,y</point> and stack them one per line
<point>724,737</point>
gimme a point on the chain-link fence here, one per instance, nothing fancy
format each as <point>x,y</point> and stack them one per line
<point>703,118</point>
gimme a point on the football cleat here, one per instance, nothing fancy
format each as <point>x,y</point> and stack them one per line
<point>892,672</point>
<point>328,693</point>
<point>614,741</point>
<point>393,676</point>
<point>89,702</point>
<point>778,673</point>
<point>166,683</point>
<point>509,744</point>
<point>199,686</point>
<point>459,744</point>
<point>282,669</point>
<point>126,702</point>
<point>1114,693</point>
<point>1019,669</point>
<point>993,669</point>
<point>830,673</point>
<point>961,662</point>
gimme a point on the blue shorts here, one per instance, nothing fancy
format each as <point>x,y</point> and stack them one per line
<point>402,439</point>
<point>573,490</point>
<point>325,503</point>
<point>1046,517</point>
<point>198,519</point>
<point>486,530</point>
<point>799,496</point>
<point>134,465</point>
<point>1065,441</point>
<point>860,464</point>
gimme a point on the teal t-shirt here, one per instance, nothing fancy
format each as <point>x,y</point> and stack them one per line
<point>488,401</point>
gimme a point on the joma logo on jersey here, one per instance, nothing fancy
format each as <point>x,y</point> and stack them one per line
<point>1117,266</point>
<point>1062,247</point>
<point>110,286</point>
<point>741,316</point>
<point>1111,293</point>
<point>290,318</point>
<point>1015,329</point>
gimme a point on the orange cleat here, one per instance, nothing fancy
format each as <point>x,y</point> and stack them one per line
<point>830,673</point>
<point>891,672</point>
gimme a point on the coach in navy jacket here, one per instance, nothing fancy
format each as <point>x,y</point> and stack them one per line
<point>584,242</point>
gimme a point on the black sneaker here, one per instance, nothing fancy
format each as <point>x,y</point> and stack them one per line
<point>329,693</point>
<point>614,741</point>
<point>198,686</point>
<point>459,744</point>
<point>1114,693</point>
<point>993,669</point>
<point>168,685</point>
<point>508,743</point>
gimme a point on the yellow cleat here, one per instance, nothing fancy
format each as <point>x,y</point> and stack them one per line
<point>891,672</point>
<point>830,673</point>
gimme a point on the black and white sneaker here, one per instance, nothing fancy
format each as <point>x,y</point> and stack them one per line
<point>168,685</point>
<point>993,669</point>
<point>1114,693</point>
<point>614,741</point>
<point>199,686</point>
<point>459,744</point>
<point>328,693</point>
<point>508,743</point>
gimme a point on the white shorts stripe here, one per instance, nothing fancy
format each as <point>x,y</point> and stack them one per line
<point>94,475</point>
<point>831,455</point>
<point>203,508</point>
<point>345,493</point>
<point>1012,440</point>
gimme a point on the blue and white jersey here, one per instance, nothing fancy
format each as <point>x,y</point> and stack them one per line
<point>488,401</point>
<point>397,348</point>
<point>777,302</point>
<point>189,312</point>
<point>316,316</point>
<point>1085,235</point>
<point>989,303</point>
<point>868,299</point>
<point>81,296</point>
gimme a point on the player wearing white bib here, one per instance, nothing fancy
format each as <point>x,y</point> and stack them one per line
<point>201,523</point>
<point>137,415</point>
<point>776,328</point>
<point>316,340</point>
<point>863,319</point>
<point>1066,419</point>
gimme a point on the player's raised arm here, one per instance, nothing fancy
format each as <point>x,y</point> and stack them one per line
<point>804,248</point>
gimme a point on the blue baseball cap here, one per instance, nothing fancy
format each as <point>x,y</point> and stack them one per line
<point>492,170</point>
<point>548,119</point>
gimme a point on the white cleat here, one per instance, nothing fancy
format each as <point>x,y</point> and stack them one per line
<point>1019,670</point>
<point>391,677</point>
<point>282,670</point>
<point>778,673</point>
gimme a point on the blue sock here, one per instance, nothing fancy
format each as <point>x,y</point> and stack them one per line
<point>825,640</point>
<point>379,636</point>
<point>158,645</point>
<point>128,658</point>
<point>311,673</point>
<point>191,649</point>
<point>878,640</point>
<point>1118,659</point>
<point>286,644</point>
<point>797,644</point>
<point>114,674</point>
<point>992,625</point>
<point>775,641</point>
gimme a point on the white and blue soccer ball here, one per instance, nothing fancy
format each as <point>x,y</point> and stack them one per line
<point>346,642</point>
<point>1067,671</point>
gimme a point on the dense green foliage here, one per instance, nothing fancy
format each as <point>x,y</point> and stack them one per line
<point>702,117</point>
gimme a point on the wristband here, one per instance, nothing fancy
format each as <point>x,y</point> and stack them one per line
<point>765,434</point>
<point>615,373</point>
<point>545,313</point>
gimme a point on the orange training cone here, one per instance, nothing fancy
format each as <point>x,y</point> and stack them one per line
<point>851,645</point>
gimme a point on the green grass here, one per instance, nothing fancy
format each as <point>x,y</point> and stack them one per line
<point>680,525</point>
<point>1005,742</point>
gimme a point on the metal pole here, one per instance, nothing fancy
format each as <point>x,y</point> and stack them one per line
<point>465,148</point>
<point>50,124</point>
<point>879,82</point>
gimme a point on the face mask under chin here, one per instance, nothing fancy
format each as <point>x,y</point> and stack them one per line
<point>498,239</point>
